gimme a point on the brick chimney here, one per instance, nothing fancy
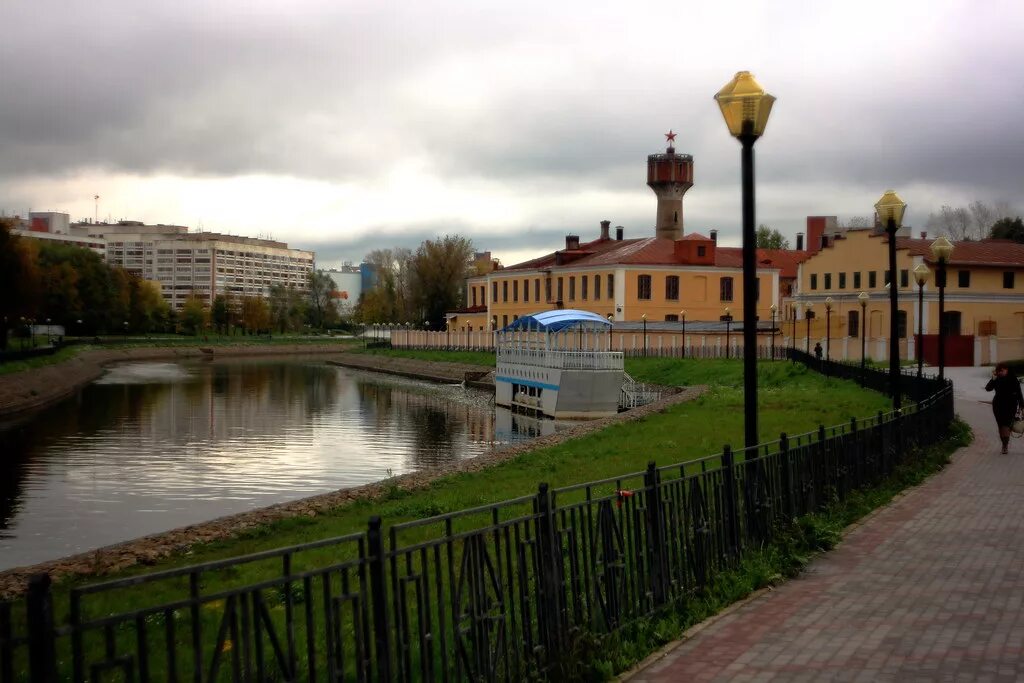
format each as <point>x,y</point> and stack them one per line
<point>714,236</point>
<point>572,242</point>
<point>619,230</point>
<point>605,225</point>
<point>799,241</point>
<point>924,234</point>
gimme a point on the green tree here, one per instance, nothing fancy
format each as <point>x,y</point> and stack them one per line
<point>220,313</point>
<point>150,311</point>
<point>255,314</point>
<point>439,270</point>
<point>768,238</point>
<point>1008,229</point>
<point>19,280</point>
<point>193,315</point>
<point>321,300</point>
<point>287,308</point>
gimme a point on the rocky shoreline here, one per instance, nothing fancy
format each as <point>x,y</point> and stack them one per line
<point>149,549</point>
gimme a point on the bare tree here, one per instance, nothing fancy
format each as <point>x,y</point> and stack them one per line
<point>982,216</point>
<point>860,222</point>
<point>954,222</point>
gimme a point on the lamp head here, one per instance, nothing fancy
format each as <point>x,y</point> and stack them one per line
<point>828,303</point>
<point>921,274</point>
<point>863,298</point>
<point>774,309</point>
<point>682,314</point>
<point>890,206</point>
<point>942,249</point>
<point>745,105</point>
<point>610,316</point>
<point>809,307</point>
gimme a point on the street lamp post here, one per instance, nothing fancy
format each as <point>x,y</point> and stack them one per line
<point>682,320</point>
<point>808,314</point>
<point>863,298</point>
<point>942,249</point>
<point>644,318</point>
<point>746,107</point>
<point>890,210</point>
<point>728,329</point>
<point>774,309</point>
<point>828,326</point>
<point>921,275</point>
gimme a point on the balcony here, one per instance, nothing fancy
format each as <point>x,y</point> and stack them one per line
<point>562,360</point>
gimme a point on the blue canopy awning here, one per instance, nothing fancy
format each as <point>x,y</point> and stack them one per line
<point>554,321</point>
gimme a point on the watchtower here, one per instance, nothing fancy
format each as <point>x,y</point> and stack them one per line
<point>670,175</point>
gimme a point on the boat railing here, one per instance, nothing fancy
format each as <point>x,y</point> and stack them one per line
<point>563,360</point>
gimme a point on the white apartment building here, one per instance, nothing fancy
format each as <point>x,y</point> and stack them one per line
<point>183,262</point>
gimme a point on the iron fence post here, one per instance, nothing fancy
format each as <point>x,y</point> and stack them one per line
<point>731,503</point>
<point>379,598</point>
<point>656,535</point>
<point>787,475</point>
<point>42,659</point>
<point>548,580</point>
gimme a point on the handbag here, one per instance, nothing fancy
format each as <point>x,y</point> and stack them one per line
<point>1017,428</point>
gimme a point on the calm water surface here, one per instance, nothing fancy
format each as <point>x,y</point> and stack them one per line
<point>154,446</point>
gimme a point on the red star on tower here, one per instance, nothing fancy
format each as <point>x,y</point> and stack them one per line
<point>670,136</point>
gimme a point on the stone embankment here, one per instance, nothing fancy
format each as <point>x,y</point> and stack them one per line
<point>32,389</point>
<point>148,550</point>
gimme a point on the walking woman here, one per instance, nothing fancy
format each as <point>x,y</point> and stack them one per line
<point>1007,401</point>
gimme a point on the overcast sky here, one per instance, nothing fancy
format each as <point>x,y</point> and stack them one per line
<point>345,126</point>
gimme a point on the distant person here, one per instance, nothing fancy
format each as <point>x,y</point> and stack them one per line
<point>817,350</point>
<point>1007,401</point>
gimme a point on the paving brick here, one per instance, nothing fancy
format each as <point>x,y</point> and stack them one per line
<point>930,588</point>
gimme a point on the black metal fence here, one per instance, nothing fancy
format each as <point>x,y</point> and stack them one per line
<point>499,592</point>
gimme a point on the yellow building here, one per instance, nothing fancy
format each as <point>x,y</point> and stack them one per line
<point>984,299</point>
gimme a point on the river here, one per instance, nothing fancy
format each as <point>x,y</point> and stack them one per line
<point>154,446</point>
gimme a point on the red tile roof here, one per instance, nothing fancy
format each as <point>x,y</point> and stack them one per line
<point>981,253</point>
<point>656,251</point>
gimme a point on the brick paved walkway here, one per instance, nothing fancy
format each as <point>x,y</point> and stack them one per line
<point>930,588</point>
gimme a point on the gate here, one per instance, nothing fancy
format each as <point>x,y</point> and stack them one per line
<point>959,350</point>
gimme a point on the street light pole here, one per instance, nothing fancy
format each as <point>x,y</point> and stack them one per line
<point>774,309</point>
<point>942,249</point>
<point>682,319</point>
<point>863,298</point>
<point>890,210</point>
<point>808,314</point>
<point>828,326</point>
<point>746,107</point>
<point>644,318</point>
<point>728,329</point>
<point>921,275</point>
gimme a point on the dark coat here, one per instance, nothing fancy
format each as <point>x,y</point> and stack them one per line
<point>1007,400</point>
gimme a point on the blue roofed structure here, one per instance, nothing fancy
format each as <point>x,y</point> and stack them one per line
<point>555,321</point>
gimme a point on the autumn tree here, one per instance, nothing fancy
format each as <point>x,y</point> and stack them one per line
<point>287,308</point>
<point>193,315</point>
<point>255,314</point>
<point>439,270</point>
<point>19,280</point>
<point>769,238</point>
<point>321,300</point>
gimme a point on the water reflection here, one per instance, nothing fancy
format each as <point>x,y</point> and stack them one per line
<point>152,446</point>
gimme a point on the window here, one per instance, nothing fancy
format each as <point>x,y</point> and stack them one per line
<point>856,280</point>
<point>963,278</point>
<point>987,328</point>
<point>853,323</point>
<point>474,296</point>
<point>494,291</point>
<point>597,288</point>
<point>547,289</point>
<point>725,289</point>
<point>560,291</point>
<point>515,291</point>
<point>504,290</point>
<point>904,278</point>
<point>872,279</point>
<point>672,318</point>
<point>828,280</point>
<point>536,290</point>
<point>901,324</point>
<point>814,280</point>
<point>672,287</point>
<point>1008,280</point>
<point>842,280</point>
<point>643,286</point>
<point>572,288</point>
<point>584,286</point>
<point>702,251</point>
<point>951,323</point>
<point>887,279</point>
<point>526,290</point>
<point>611,286</point>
